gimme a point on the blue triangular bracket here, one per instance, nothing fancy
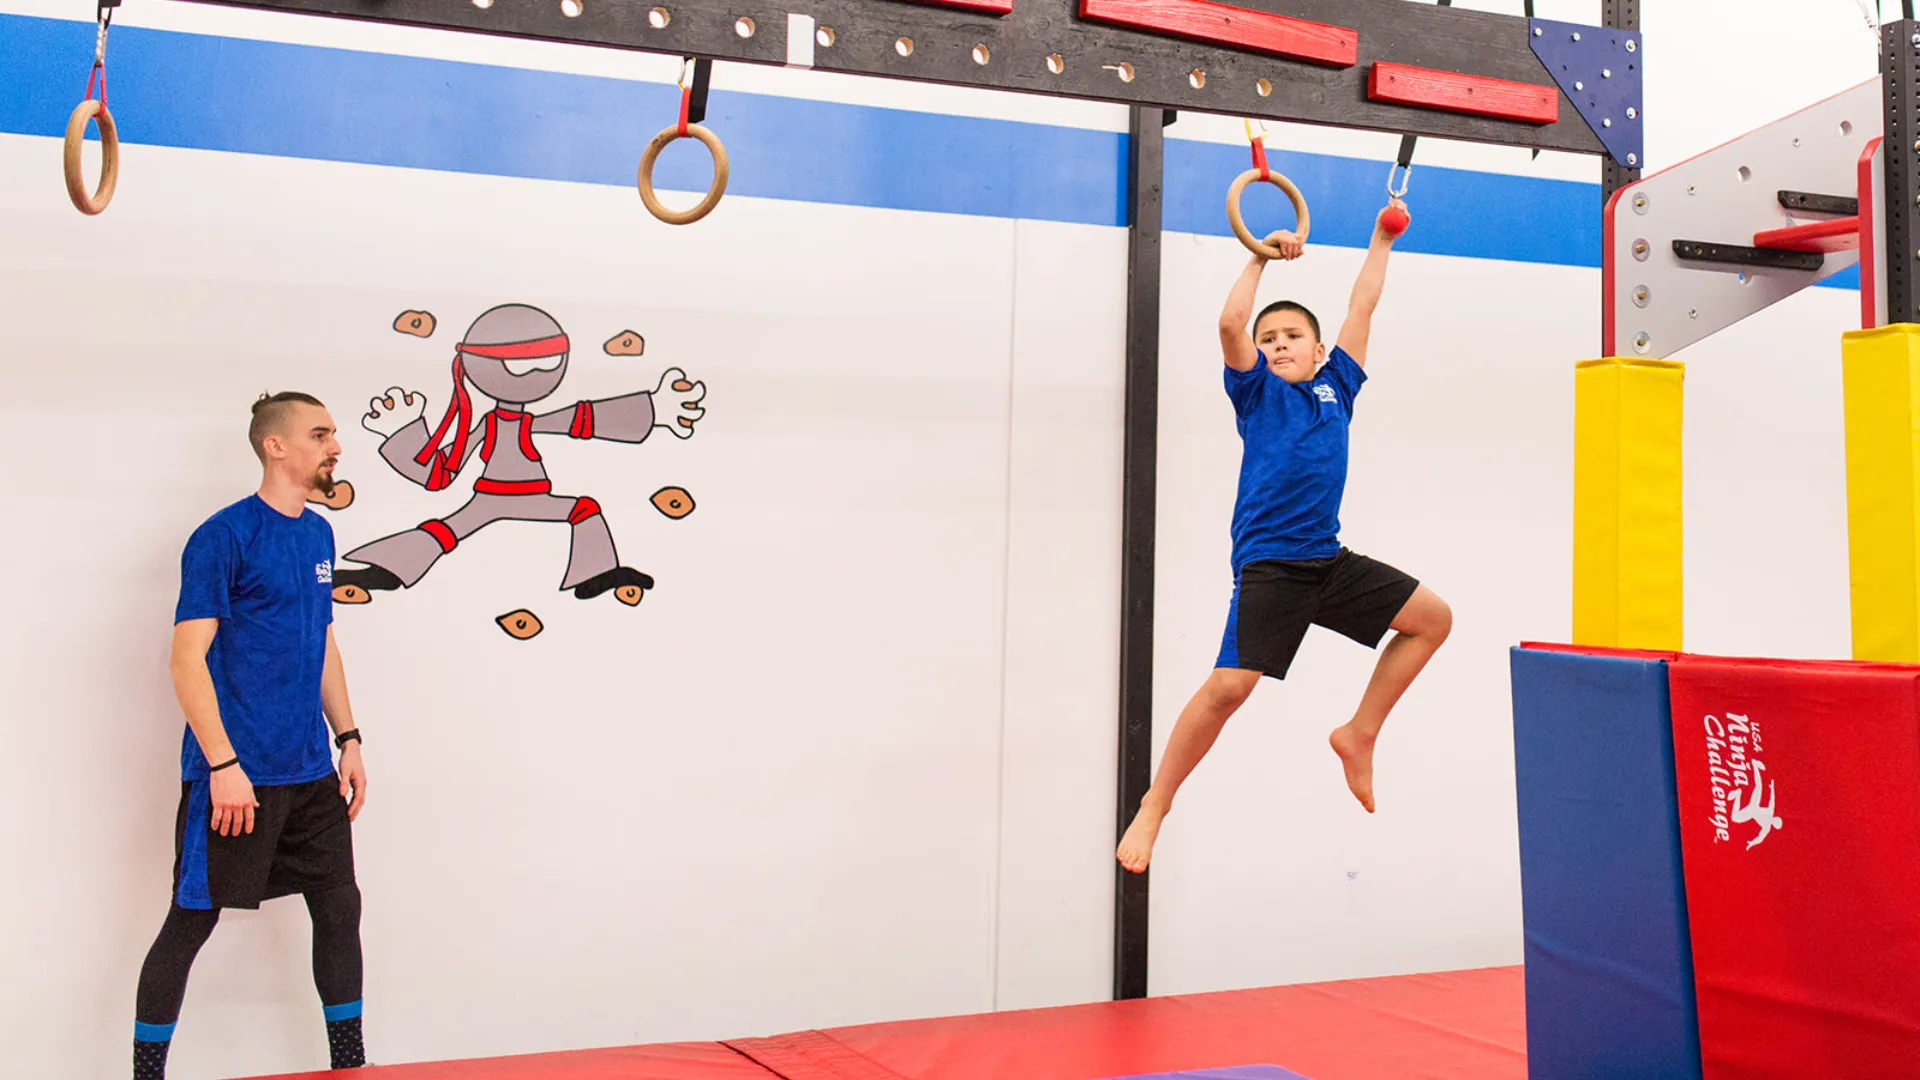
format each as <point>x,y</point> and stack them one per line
<point>1599,70</point>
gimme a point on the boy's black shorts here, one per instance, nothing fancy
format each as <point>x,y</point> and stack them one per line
<point>301,842</point>
<point>1274,602</point>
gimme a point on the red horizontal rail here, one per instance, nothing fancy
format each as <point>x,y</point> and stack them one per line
<point>1223,24</point>
<point>992,7</point>
<point>1840,234</point>
<point>1452,92</point>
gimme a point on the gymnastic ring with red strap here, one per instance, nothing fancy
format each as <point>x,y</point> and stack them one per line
<point>102,194</point>
<point>1239,223</point>
<point>652,154</point>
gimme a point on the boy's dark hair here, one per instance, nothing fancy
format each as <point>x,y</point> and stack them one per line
<point>1288,305</point>
<point>269,412</point>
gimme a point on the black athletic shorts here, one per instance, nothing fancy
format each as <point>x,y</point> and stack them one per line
<point>1274,603</point>
<point>301,842</point>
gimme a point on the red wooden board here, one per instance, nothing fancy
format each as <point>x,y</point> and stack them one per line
<point>1840,234</point>
<point>994,7</point>
<point>1452,92</point>
<point>1222,24</point>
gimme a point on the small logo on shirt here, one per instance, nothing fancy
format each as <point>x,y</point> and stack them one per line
<point>323,572</point>
<point>1326,394</point>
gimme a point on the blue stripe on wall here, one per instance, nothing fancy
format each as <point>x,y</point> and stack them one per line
<point>231,94</point>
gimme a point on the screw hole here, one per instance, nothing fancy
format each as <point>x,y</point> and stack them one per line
<point>1125,71</point>
<point>483,4</point>
<point>826,37</point>
<point>1056,63</point>
<point>1746,174</point>
<point>1264,87</point>
<point>743,26</point>
<point>570,8</point>
<point>981,55</point>
<point>658,18</point>
<point>1846,127</point>
<point>1197,79</point>
<point>904,46</point>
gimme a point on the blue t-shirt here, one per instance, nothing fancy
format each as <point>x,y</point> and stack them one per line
<point>1293,469</point>
<point>268,578</point>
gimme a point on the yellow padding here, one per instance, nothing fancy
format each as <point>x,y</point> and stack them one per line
<point>1883,430</point>
<point>1626,503</point>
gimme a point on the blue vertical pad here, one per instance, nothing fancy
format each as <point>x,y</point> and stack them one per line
<point>1609,967</point>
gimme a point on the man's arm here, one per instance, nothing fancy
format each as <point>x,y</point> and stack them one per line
<point>339,713</point>
<point>1366,293</point>
<point>231,791</point>
<point>1236,339</point>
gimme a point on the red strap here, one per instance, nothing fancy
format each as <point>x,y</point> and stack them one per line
<point>526,437</point>
<point>512,487</point>
<point>582,421</point>
<point>440,532</point>
<point>686,105</point>
<point>493,430</point>
<point>1260,159</point>
<point>100,70</point>
<point>460,407</point>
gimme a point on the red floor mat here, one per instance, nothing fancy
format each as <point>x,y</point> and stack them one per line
<point>1463,1025</point>
<point>661,1061</point>
<point>1460,1025</point>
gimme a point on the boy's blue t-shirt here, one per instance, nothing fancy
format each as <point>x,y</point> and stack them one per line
<point>268,578</point>
<point>1293,470</point>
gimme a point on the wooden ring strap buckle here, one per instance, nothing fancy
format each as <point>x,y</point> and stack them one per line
<point>645,180</point>
<point>109,157</point>
<point>1239,223</point>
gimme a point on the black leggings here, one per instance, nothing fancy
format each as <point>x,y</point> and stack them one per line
<point>336,954</point>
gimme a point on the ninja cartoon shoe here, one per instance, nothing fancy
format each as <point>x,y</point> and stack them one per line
<point>628,585</point>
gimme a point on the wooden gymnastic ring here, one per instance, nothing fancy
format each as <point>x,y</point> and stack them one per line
<point>109,157</point>
<point>1239,223</point>
<point>645,180</point>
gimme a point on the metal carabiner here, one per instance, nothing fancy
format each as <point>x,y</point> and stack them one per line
<point>1405,179</point>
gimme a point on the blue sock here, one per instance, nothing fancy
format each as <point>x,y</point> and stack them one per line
<point>150,1045</point>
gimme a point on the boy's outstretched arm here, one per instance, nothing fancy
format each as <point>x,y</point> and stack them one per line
<point>1236,340</point>
<point>1366,293</point>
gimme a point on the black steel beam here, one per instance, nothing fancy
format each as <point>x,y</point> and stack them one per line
<point>1900,80</point>
<point>1617,15</point>
<point>1146,155</point>
<point>1701,251</point>
<point>1808,202</point>
<point>1021,50</point>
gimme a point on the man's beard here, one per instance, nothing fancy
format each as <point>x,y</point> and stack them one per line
<point>323,482</point>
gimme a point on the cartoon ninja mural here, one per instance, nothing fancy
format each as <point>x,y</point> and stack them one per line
<point>516,355</point>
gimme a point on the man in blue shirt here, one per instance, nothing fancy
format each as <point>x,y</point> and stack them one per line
<point>1292,403</point>
<point>263,810</point>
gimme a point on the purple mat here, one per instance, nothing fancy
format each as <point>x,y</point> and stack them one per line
<point>1237,1073</point>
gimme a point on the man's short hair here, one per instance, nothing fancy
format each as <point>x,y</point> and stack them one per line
<point>269,413</point>
<point>1289,305</point>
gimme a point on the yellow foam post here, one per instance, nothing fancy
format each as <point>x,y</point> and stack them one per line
<point>1881,372</point>
<point>1626,503</point>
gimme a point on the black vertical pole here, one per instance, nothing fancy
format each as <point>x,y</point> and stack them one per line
<point>1146,146</point>
<point>1619,15</point>
<point>1900,83</point>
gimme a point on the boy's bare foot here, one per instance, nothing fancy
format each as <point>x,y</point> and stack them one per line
<point>1136,847</point>
<point>1356,754</point>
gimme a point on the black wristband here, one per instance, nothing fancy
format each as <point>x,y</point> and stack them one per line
<point>346,737</point>
<point>226,765</point>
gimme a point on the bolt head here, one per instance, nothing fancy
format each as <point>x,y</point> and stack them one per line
<point>1632,113</point>
<point>1607,122</point>
<point>1606,73</point>
<point>1537,31</point>
<point>1632,45</point>
<point>1633,159</point>
<point>1579,86</point>
<point>1576,35</point>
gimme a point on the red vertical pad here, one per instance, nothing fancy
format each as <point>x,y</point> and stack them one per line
<point>1450,91</point>
<point>1223,24</point>
<point>1799,791</point>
